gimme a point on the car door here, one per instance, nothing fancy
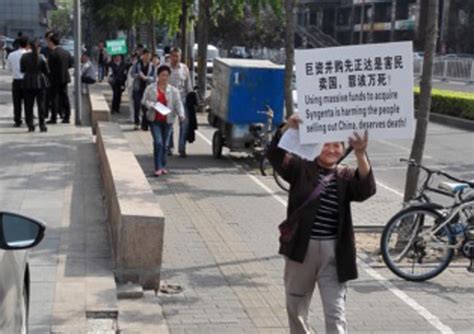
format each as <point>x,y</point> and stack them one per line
<point>12,267</point>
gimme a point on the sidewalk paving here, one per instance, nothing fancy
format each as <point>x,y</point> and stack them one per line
<point>221,247</point>
<point>54,176</point>
<point>220,244</point>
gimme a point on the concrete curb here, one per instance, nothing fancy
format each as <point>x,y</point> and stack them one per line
<point>455,122</point>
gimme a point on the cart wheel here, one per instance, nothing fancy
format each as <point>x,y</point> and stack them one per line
<point>217,143</point>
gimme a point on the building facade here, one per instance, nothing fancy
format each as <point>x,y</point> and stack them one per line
<point>374,21</point>
<point>27,16</point>
<point>361,21</point>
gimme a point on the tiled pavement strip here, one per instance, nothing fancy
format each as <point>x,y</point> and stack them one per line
<point>221,242</point>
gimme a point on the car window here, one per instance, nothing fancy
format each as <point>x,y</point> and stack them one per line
<point>17,232</point>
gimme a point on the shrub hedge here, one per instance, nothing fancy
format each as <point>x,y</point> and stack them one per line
<point>451,103</point>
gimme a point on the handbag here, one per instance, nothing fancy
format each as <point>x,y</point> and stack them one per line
<point>289,226</point>
<point>150,114</point>
<point>45,80</point>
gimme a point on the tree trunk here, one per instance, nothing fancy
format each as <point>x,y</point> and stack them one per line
<point>393,20</point>
<point>372,22</point>
<point>203,39</point>
<point>184,24</point>
<point>425,99</point>
<point>422,22</point>
<point>351,24</point>
<point>290,54</point>
<point>443,40</point>
<point>362,19</point>
<point>152,35</point>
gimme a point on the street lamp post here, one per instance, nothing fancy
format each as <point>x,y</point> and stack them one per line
<point>77,63</point>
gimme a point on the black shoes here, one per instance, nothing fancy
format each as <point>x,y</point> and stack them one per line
<point>51,121</point>
<point>31,128</point>
<point>17,125</point>
<point>43,128</point>
<point>65,121</point>
<point>183,154</point>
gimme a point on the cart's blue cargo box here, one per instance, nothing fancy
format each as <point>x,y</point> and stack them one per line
<point>242,87</point>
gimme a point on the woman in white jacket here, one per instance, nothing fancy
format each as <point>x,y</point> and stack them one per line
<point>160,125</point>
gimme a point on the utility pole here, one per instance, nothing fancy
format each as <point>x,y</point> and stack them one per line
<point>77,63</point>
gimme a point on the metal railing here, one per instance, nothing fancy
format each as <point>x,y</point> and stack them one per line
<point>448,69</point>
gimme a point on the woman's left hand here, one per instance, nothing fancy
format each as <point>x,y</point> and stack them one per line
<point>181,119</point>
<point>358,143</point>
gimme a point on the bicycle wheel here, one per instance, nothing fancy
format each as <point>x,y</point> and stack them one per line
<point>410,249</point>
<point>280,181</point>
<point>266,167</point>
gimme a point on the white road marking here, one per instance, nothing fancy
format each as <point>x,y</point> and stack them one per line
<point>422,311</point>
<point>254,179</point>
<point>204,138</point>
<point>396,192</point>
<point>430,317</point>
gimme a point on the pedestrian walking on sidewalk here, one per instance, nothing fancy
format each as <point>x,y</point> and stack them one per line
<point>101,58</point>
<point>59,62</point>
<point>160,125</point>
<point>117,79</point>
<point>18,92</point>
<point>180,79</point>
<point>133,61</point>
<point>2,51</point>
<point>155,60</point>
<point>317,238</point>
<point>35,82</point>
<point>143,74</point>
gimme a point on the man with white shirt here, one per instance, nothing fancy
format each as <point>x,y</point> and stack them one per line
<point>18,95</point>
<point>180,79</point>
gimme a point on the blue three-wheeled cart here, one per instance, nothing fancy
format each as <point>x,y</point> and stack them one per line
<point>244,90</point>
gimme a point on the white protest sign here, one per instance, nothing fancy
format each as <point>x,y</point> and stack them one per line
<point>290,142</point>
<point>355,88</point>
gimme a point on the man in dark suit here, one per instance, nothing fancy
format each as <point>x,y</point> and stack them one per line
<point>59,62</point>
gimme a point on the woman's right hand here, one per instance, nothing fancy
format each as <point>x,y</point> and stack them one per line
<point>294,121</point>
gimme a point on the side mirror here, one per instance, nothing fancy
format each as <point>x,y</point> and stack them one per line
<point>19,231</point>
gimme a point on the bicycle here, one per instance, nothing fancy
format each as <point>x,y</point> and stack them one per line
<point>419,242</point>
<point>264,136</point>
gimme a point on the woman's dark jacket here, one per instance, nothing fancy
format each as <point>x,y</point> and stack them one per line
<point>303,177</point>
<point>119,73</point>
<point>35,71</point>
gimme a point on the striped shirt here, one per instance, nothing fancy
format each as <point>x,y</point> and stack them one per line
<point>327,217</point>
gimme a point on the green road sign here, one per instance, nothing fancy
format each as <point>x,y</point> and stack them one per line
<point>116,47</point>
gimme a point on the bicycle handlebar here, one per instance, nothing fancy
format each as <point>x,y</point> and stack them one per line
<point>430,171</point>
<point>346,153</point>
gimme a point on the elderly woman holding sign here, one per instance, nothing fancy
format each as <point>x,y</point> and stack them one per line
<point>163,104</point>
<point>317,238</point>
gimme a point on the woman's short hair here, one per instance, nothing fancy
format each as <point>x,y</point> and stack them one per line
<point>163,68</point>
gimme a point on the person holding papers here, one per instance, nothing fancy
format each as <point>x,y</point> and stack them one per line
<point>163,104</point>
<point>317,238</point>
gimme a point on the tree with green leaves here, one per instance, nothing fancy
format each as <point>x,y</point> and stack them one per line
<point>209,10</point>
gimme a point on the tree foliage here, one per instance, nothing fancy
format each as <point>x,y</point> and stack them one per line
<point>60,19</point>
<point>253,29</point>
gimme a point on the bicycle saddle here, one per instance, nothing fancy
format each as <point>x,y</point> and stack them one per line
<point>453,187</point>
<point>256,126</point>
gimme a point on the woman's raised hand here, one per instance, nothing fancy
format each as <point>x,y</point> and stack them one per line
<point>294,121</point>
